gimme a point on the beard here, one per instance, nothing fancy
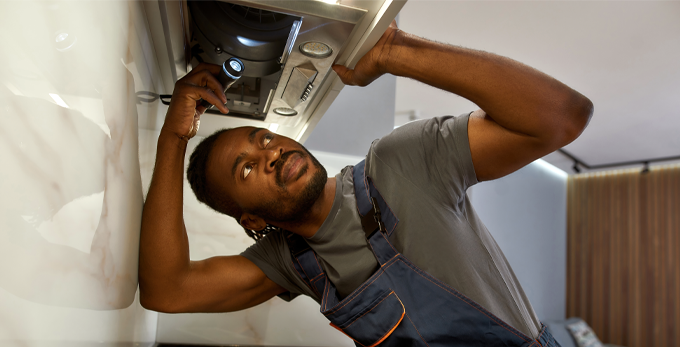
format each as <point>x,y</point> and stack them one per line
<point>297,210</point>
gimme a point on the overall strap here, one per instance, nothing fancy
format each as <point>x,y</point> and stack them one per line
<point>377,219</point>
<point>305,262</point>
<point>375,215</point>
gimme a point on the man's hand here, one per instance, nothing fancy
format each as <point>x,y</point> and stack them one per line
<point>374,63</point>
<point>184,113</point>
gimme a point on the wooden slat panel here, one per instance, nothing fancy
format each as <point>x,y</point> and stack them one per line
<point>623,255</point>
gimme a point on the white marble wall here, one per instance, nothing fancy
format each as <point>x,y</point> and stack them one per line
<point>275,322</point>
<point>70,184</point>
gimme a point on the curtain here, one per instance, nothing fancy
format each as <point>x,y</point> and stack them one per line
<point>623,255</point>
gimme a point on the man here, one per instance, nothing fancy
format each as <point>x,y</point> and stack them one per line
<point>419,174</point>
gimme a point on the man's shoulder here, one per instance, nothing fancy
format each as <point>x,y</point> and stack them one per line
<point>271,247</point>
<point>424,132</point>
<point>432,154</point>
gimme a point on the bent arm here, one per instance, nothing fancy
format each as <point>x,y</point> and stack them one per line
<point>524,114</point>
<point>168,280</point>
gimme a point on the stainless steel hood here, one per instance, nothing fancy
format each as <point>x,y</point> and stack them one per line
<point>288,48</point>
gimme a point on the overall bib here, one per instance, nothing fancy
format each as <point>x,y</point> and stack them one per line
<point>400,304</point>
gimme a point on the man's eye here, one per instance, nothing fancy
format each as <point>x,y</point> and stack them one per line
<point>246,170</point>
<point>268,138</point>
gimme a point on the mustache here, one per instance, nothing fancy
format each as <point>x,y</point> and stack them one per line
<point>282,161</point>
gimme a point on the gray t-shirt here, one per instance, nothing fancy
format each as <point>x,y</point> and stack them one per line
<point>422,170</point>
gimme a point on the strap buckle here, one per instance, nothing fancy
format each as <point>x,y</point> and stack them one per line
<point>372,221</point>
<point>296,244</point>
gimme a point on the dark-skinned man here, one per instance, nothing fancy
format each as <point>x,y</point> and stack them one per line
<point>391,247</point>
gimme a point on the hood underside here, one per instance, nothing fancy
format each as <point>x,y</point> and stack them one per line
<point>287,47</point>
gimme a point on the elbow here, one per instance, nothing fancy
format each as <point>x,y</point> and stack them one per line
<point>580,114</point>
<point>156,301</point>
<point>574,116</point>
<point>146,296</point>
<point>161,294</point>
<point>151,304</point>
<point>147,301</point>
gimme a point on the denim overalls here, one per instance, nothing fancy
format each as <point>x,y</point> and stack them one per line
<point>400,304</point>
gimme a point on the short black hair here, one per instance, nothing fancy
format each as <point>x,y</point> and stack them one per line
<point>198,180</point>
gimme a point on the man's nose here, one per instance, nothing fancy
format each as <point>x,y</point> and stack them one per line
<point>272,156</point>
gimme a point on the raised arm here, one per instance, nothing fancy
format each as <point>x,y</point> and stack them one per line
<point>525,114</point>
<point>168,280</point>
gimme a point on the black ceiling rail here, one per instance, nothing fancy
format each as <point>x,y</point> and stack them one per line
<point>580,163</point>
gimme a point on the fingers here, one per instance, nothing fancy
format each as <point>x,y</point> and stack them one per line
<point>209,80</point>
<point>357,77</point>
<point>200,109</point>
<point>196,93</point>
<point>201,83</point>
<point>204,75</point>
<point>212,68</point>
<point>194,125</point>
<point>205,78</point>
<point>346,75</point>
<point>192,94</point>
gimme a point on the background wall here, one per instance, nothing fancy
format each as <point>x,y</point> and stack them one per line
<point>358,116</point>
<point>623,259</point>
<point>526,214</point>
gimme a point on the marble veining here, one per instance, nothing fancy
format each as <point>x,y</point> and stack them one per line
<point>71,201</point>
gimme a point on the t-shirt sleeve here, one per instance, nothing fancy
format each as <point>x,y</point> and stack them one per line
<point>271,255</point>
<point>433,154</point>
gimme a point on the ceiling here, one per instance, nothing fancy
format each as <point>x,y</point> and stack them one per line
<point>624,56</point>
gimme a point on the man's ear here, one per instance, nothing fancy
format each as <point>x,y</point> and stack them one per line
<point>252,222</point>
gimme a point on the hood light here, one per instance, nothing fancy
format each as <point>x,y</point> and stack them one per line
<point>285,111</point>
<point>316,49</point>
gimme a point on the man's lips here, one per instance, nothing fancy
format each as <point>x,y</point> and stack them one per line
<point>292,166</point>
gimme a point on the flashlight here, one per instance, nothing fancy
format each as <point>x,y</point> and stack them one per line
<point>231,71</point>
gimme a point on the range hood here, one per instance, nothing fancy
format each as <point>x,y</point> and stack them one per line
<point>288,48</point>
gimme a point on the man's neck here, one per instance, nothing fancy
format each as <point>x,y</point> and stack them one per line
<point>308,226</point>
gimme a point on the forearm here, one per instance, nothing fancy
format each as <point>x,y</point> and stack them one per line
<point>517,97</point>
<point>164,247</point>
